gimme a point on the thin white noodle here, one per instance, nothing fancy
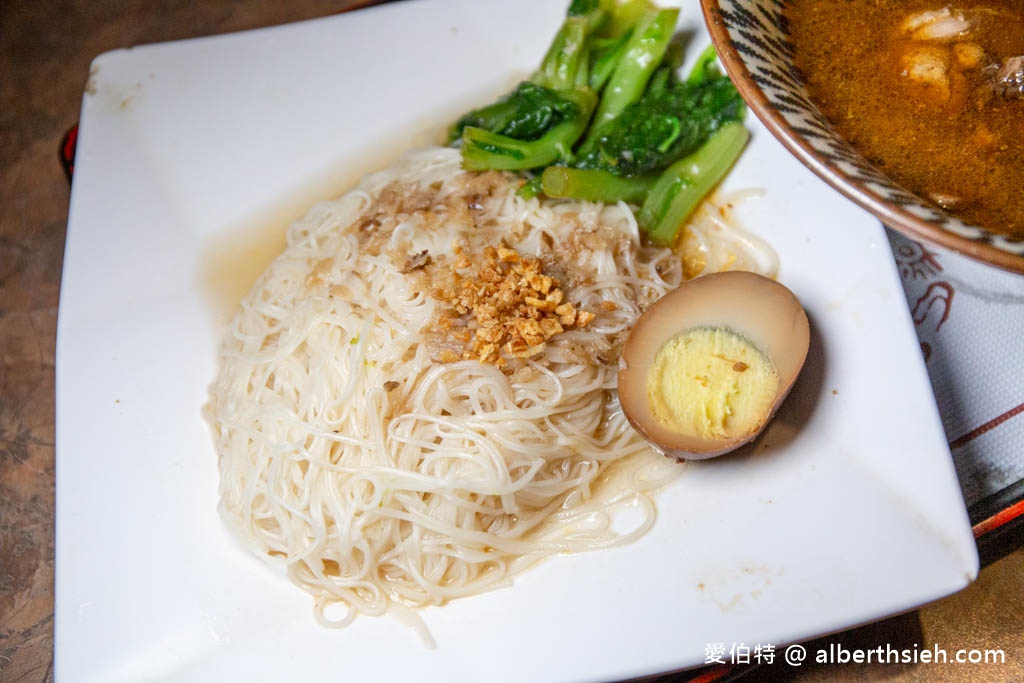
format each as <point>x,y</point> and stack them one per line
<point>380,479</point>
<point>715,240</point>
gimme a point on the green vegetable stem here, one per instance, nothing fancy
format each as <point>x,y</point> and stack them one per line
<point>684,185</point>
<point>595,185</point>
<point>641,56</point>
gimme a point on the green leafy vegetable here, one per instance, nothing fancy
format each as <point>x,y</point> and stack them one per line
<point>526,113</point>
<point>483,149</point>
<point>607,117</point>
<point>641,56</point>
<point>664,126</point>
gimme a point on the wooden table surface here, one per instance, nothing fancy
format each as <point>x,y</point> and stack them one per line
<point>45,51</point>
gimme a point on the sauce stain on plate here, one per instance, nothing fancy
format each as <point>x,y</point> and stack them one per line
<point>737,589</point>
<point>234,258</point>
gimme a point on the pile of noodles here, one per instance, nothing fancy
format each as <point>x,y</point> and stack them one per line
<point>380,478</point>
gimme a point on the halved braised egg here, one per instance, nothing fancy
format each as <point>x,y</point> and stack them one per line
<point>706,367</point>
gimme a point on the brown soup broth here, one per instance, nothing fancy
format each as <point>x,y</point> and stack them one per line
<point>926,110</point>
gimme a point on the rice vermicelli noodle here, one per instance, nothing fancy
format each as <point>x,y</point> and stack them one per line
<point>417,399</point>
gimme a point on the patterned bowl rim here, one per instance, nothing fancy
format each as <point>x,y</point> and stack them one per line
<point>890,215</point>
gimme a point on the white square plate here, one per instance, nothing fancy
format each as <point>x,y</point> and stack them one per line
<point>848,511</point>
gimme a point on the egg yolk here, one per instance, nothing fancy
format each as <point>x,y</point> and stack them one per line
<point>711,383</point>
